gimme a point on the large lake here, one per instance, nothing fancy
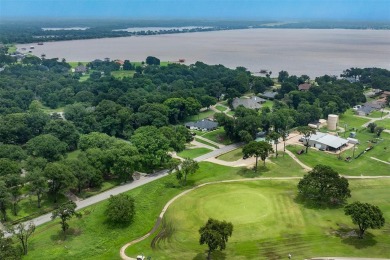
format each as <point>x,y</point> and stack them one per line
<point>298,51</point>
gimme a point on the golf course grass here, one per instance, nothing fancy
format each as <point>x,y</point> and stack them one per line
<point>268,223</point>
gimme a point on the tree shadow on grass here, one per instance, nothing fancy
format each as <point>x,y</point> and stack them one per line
<point>310,204</point>
<point>251,173</point>
<point>368,239</point>
<point>220,255</point>
<point>117,225</point>
<point>68,235</point>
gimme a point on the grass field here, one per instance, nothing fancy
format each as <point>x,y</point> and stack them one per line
<point>351,120</point>
<point>205,142</point>
<point>268,223</point>
<point>384,123</point>
<point>231,156</point>
<point>363,165</point>
<point>193,153</point>
<point>11,48</point>
<point>91,237</point>
<point>218,136</point>
<point>377,114</point>
<point>123,73</point>
<point>200,116</point>
<point>74,64</point>
<point>220,108</point>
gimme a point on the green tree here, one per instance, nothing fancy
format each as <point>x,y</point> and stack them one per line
<point>152,145</point>
<point>126,160</point>
<point>14,183</point>
<point>37,184</point>
<point>379,130</point>
<point>127,65</point>
<point>12,152</point>
<point>323,185</point>
<point>81,170</point>
<point>60,178</point>
<point>46,146</point>
<point>5,199</point>
<point>258,149</point>
<point>307,133</point>
<point>150,60</point>
<point>283,76</point>
<point>120,209</point>
<point>65,212</point>
<point>371,127</point>
<point>188,166</point>
<point>95,140</point>
<point>65,131</point>
<point>274,137</point>
<point>8,251</point>
<point>23,232</point>
<point>365,216</point>
<point>215,234</point>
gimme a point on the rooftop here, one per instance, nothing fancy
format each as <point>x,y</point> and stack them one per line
<point>329,140</point>
<point>252,103</point>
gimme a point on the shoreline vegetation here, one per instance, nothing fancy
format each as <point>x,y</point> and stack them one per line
<point>14,31</point>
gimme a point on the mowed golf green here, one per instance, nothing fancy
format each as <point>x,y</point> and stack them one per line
<point>268,223</point>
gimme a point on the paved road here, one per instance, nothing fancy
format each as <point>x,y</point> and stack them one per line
<point>129,186</point>
<point>217,152</point>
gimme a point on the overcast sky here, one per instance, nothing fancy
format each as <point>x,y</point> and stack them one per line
<point>374,10</point>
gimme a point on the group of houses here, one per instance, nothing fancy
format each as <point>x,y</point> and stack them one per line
<point>375,105</point>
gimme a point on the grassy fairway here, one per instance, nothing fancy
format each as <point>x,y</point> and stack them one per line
<point>91,237</point>
<point>268,223</point>
<point>193,153</point>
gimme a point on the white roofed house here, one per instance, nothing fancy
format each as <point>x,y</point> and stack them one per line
<point>327,142</point>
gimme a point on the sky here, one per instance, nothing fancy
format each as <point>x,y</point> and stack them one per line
<point>370,10</point>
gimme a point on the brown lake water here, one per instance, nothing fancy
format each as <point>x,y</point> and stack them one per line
<point>298,51</point>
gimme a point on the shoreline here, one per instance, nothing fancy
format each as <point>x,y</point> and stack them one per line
<point>314,52</point>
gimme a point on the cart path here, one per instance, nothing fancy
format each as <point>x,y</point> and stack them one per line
<point>160,217</point>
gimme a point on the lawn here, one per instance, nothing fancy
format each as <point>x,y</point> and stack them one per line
<point>193,153</point>
<point>377,114</point>
<point>205,142</point>
<point>268,223</point>
<point>123,73</point>
<point>363,165</point>
<point>268,103</point>
<point>351,120</point>
<point>74,64</point>
<point>220,108</point>
<point>231,156</point>
<point>11,48</point>
<point>200,116</point>
<point>218,136</point>
<point>384,123</point>
<point>91,236</point>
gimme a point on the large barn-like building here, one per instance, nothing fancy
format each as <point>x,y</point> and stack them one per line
<point>327,142</point>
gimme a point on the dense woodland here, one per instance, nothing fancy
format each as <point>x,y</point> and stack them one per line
<point>119,126</point>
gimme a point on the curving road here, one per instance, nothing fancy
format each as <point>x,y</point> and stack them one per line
<point>122,251</point>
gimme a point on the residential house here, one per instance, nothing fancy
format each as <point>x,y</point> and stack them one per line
<point>81,69</point>
<point>304,87</point>
<point>268,95</point>
<point>202,125</point>
<point>251,103</point>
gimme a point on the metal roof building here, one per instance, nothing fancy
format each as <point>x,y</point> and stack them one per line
<point>327,141</point>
